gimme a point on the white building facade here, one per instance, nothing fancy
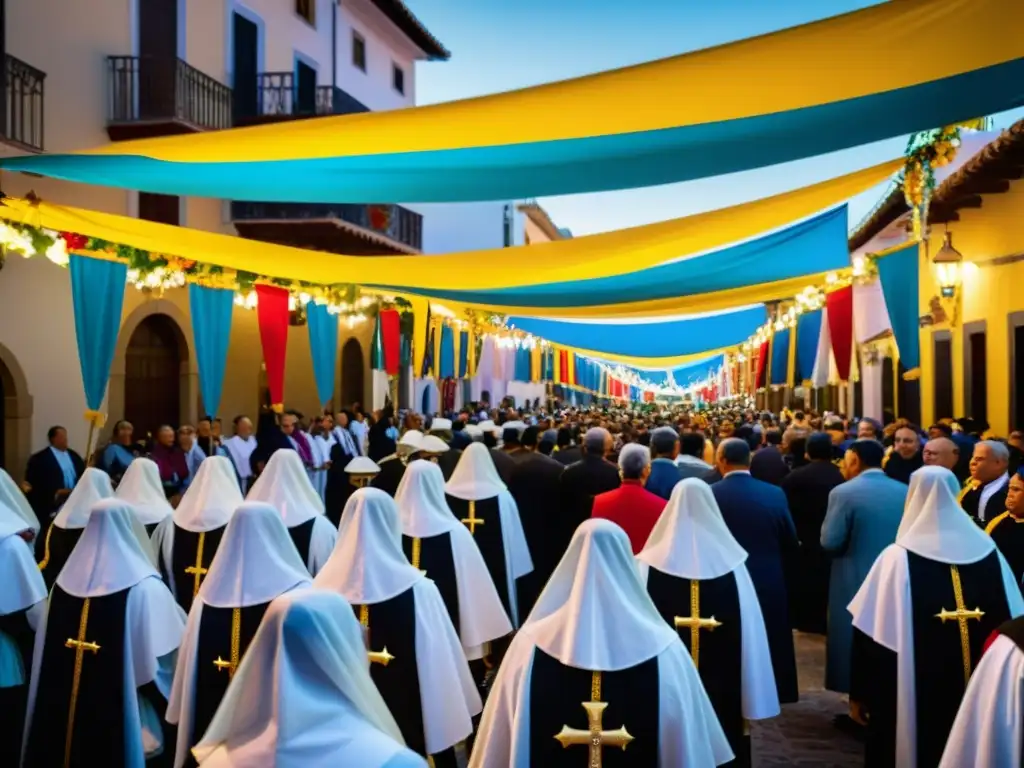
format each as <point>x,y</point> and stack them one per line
<point>118,69</point>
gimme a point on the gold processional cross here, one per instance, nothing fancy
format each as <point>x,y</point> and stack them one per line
<point>472,521</point>
<point>594,737</point>
<point>197,571</point>
<point>236,641</point>
<point>417,546</point>
<point>80,646</point>
<point>376,657</point>
<point>961,615</point>
<point>695,622</point>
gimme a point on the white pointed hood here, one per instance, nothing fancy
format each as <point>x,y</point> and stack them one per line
<point>421,503</point>
<point>475,476</point>
<point>109,557</point>
<point>12,497</point>
<point>211,498</point>
<point>141,487</point>
<point>368,565</point>
<point>94,485</point>
<point>256,560</point>
<point>303,694</point>
<point>690,539</point>
<point>594,612</point>
<point>285,485</point>
<point>21,583</point>
<point>934,525</point>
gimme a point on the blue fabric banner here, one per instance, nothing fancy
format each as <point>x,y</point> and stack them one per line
<point>898,273</point>
<point>697,373</point>
<point>780,357</point>
<point>211,310</point>
<point>463,354</point>
<point>323,347</point>
<point>808,330</point>
<point>447,363</point>
<point>97,292</point>
<point>522,365</point>
<point>689,336</point>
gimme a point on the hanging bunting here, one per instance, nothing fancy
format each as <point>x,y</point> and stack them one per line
<point>465,354</point>
<point>272,316</point>
<point>391,340</point>
<point>323,346</point>
<point>762,366</point>
<point>446,352</point>
<point>211,310</point>
<point>898,273</point>
<point>780,357</point>
<point>97,293</point>
<point>808,330</point>
<point>840,326</point>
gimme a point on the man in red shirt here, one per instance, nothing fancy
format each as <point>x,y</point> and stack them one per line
<point>631,506</point>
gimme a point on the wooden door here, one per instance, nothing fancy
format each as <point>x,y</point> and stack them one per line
<point>351,373</point>
<point>245,66</point>
<point>158,59</point>
<point>305,89</point>
<point>152,382</point>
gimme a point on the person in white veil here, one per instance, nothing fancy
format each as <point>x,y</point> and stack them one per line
<point>187,541</point>
<point>480,500</point>
<point>921,618</point>
<point>104,652</point>
<point>284,485</point>
<point>416,658</point>
<point>67,527</point>
<point>696,575</point>
<point>595,669</point>
<point>140,486</point>
<point>22,596</point>
<point>12,497</point>
<point>303,696</point>
<point>255,563</point>
<point>443,548</point>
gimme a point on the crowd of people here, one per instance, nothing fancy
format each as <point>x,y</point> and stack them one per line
<point>509,583</point>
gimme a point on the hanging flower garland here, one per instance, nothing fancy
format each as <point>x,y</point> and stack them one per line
<point>926,151</point>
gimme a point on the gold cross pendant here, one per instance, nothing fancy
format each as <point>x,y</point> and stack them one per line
<point>79,646</point>
<point>472,521</point>
<point>236,641</point>
<point>695,622</point>
<point>197,571</point>
<point>376,657</point>
<point>960,616</point>
<point>595,737</point>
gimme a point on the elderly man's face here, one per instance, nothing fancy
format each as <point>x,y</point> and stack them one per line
<point>244,428</point>
<point>905,443</point>
<point>866,430</point>
<point>985,465</point>
<point>941,452</point>
<point>288,424</point>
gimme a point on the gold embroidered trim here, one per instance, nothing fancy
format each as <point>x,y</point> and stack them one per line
<point>197,570</point>
<point>46,549</point>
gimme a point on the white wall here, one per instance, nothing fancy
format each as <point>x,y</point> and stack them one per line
<point>384,45</point>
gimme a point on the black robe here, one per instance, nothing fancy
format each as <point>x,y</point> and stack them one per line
<point>302,535</point>
<point>186,550</point>
<point>98,732</point>
<point>57,547</point>
<point>13,700</point>
<point>901,469</point>
<point>447,461</point>
<point>557,693</point>
<point>719,651</point>
<point>938,656</point>
<point>970,501</point>
<point>390,476</point>
<point>391,624</point>
<point>214,643</point>
<point>339,487</point>
<point>1007,532</point>
<point>489,538</point>
<point>433,555</point>
<point>536,488</point>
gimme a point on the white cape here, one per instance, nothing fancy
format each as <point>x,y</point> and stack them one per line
<point>424,514</point>
<point>989,728</point>
<point>94,485</point>
<point>21,587</point>
<point>12,497</point>
<point>141,487</point>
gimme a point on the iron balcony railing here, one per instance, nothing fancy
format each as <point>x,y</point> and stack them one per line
<point>393,221</point>
<point>23,124</point>
<point>281,95</point>
<point>152,89</point>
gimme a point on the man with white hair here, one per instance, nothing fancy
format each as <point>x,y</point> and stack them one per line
<point>631,506</point>
<point>583,480</point>
<point>922,617</point>
<point>984,495</point>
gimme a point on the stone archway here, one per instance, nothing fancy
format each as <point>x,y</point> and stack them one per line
<point>352,373</point>
<point>153,323</point>
<point>15,415</point>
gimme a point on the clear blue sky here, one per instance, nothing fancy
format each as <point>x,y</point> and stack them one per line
<point>499,45</point>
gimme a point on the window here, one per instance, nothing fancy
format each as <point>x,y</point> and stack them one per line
<point>307,10</point>
<point>358,51</point>
<point>398,78</point>
<point>943,356</point>
<point>975,371</point>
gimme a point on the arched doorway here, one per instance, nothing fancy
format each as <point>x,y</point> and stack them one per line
<point>15,415</point>
<point>152,374</point>
<point>351,373</point>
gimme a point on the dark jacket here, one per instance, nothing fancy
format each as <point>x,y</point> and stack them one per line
<point>768,465</point>
<point>45,478</point>
<point>581,482</point>
<point>569,455</point>
<point>504,463</point>
<point>663,478</point>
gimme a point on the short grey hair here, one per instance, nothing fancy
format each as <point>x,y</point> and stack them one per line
<point>594,440</point>
<point>998,449</point>
<point>633,459</point>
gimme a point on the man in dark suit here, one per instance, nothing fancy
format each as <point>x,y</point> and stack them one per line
<point>807,490</point>
<point>50,476</point>
<point>582,481</point>
<point>536,485</point>
<point>758,517</point>
<point>768,464</point>
<point>665,473</point>
<point>567,453</point>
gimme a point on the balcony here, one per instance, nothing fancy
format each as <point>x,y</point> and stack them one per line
<point>281,96</point>
<point>23,121</point>
<point>350,228</point>
<point>152,96</point>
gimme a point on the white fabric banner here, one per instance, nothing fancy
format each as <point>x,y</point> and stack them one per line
<point>870,315</point>
<point>871,387</point>
<point>379,388</point>
<point>823,360</point>
<point>524,391</point>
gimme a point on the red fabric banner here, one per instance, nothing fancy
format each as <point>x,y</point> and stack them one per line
<point>272,316</point>
<point>762,366</point>
<point>391,340</point>
<point>840,328</point>
<point>563,366</point>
